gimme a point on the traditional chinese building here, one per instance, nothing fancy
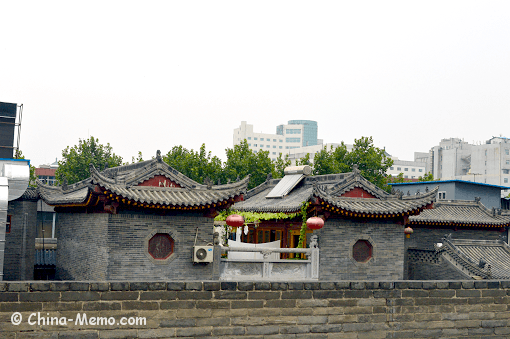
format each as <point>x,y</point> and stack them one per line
<point>138,221</point>
<point>363,234</point>
<point>471,230</point>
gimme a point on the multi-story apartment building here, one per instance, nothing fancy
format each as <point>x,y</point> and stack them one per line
<point>410,169</point>
<point>487,162</point>
<point>288,137</point>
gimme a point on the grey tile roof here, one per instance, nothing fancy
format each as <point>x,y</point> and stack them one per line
<point>468,253</point>
<point>123,180</point>
<point>468,213</point>
<point>328,188</point>
<point>387,205</point>
<point>56,195</point>
<point>255,200</point>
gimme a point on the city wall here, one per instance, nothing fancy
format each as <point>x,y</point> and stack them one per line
<point>388,309</point>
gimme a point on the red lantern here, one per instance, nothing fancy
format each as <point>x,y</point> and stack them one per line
<point>408,231</point>
<point>235,220</point>
<point>314,223</point>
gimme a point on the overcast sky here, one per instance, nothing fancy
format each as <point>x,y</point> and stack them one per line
<point>149,75</point>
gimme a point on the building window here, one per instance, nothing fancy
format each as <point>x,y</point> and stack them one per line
<point>292,131</point>
<point>8,224</point>
<point>249,144</point>
<point>441,195</point>
<point>161,246</point>
<point>485,152</point>
<point>286,147</point>
<point>507,152</point>
<point>261,145</point>
<point>406,176</point>
<point>255,145</point>
<point>508,162</point>
<point>268,146</point>
<point>279,146</point>
<point>391,168</point>
<point>420,170</point>
<point>362,251</point>
<point>254,138</point>
<point>413,169</point>
<point>505,171</point>
<point>274,140</point>
<point>293,140</point>
<point>274,146</point>
<point>399,168</point>
<point>406,169</point>
<point>280,140</point>
<point>274,153</point>
<point>505,180</point>
<point>249,138</point>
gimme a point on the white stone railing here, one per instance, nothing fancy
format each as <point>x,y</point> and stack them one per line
<point>270,268</point>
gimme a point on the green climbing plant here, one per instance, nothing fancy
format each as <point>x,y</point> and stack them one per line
<point>304,216</point>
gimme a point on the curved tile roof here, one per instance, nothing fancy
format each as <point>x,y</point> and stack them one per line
<point>460,212</point>
<point>390,205</point>
<point>331,186</point>
<point>467,254</point>
<point>122,182</point>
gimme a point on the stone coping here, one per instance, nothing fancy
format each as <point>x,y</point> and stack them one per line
<point>105,286</point>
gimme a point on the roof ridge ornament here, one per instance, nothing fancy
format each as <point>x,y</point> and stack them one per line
<point>64,184</point>
<point>355,170</point>
<point>208,182</point>
<point>158,156</point>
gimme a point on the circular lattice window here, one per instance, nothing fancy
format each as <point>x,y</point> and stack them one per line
<point>161,246</point>
<point>362,251</point>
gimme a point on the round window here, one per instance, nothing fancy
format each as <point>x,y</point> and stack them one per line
<point>362,251</point>
<point>161,246</point>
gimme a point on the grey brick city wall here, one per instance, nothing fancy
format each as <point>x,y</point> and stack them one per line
<point>338,236</point>
<point>113,247</point>
<point>256,310</point>
<point>23,226</point>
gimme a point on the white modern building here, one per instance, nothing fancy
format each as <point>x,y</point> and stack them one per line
<point>410,169</point>
<point>487,163</point>
<point>288,137</point>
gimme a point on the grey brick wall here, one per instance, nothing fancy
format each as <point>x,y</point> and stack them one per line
<point>82,251</point>
<point>335,242</point>
<point>112,247</point>
<point>424,238</point>
<point>257,310</point>
<point>23,229</point>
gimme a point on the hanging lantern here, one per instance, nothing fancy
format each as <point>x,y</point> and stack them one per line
<point>235,220</point>
<point>314,223</point>
<point>408,231</point>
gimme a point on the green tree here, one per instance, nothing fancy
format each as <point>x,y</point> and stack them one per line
<point>427,177</point>
<point>324,163</point>
<point>76,160</point>
<point>372,161</point>
<point>279,166</point>
<point>195,165</point>
<point>398,179</point>
<point>242,161</point>
<point>304,161</point>
<point>139,158</point>
<point>32,181</point>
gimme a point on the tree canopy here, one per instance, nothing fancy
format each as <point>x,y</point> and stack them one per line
<point>195,165</point>
<point>75,162</point>
<point>241,161</point>
<point>372,161</point>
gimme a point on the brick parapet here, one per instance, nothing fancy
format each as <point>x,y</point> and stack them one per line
<point>350,309</point>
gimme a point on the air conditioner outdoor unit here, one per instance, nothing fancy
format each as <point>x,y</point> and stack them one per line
<point>203,253</point>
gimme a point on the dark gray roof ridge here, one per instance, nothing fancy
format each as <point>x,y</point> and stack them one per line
<point>453,248</point>
<point>461,211</point>
<point>376,206</point>
<point>354,179</point>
